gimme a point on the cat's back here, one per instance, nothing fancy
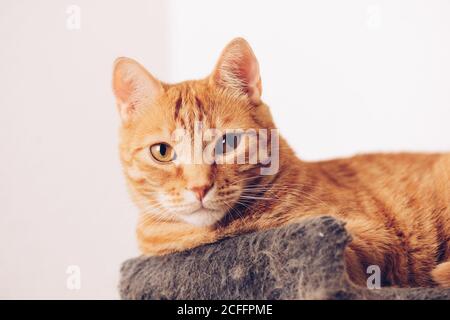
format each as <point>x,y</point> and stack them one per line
<point>403,181</point>
<point>392,168</point>
<point>405,172</point>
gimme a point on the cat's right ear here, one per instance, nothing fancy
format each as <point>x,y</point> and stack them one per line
<point>238,70</point>
<point>134,87</point>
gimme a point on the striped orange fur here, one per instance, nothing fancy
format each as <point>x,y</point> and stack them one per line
<point>396,206</point>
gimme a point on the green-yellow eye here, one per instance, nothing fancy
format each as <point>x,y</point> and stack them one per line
<point>162,152</point>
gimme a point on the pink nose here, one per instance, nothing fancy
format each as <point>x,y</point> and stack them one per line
<point>201,191</point>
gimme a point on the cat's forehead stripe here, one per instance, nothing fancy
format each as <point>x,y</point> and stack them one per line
<point>199,105</point>
<point>178,107</point>
<point>189,107</point>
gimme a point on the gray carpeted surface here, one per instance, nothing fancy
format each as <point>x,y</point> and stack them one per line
<point>300,261</point>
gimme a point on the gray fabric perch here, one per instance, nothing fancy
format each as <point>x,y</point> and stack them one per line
<point>299,261</point>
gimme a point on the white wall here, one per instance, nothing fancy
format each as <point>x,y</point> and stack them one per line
<point>341,77</point>
<point>63,199</point>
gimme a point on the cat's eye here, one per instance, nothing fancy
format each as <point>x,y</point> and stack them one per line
<point>162,152</point>
<point>229,142</point>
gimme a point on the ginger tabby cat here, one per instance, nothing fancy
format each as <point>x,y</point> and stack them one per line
<point>396,206</point>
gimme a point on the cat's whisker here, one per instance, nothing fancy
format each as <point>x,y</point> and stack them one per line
<point>256,198</point>
<point>286,190</point>
<point>296,193</point>
<point>233,209</point>
<point>244,179</point>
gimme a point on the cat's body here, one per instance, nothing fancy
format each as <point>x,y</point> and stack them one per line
<point>396,206</point>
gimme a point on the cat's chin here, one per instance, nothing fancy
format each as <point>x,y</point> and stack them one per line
<point>202,217</point>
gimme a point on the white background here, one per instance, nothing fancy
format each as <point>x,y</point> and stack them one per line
<point>341,77</point>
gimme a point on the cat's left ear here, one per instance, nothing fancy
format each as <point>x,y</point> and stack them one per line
<point>238,69</point>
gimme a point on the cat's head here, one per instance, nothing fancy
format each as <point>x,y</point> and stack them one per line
<point>163,181</point>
